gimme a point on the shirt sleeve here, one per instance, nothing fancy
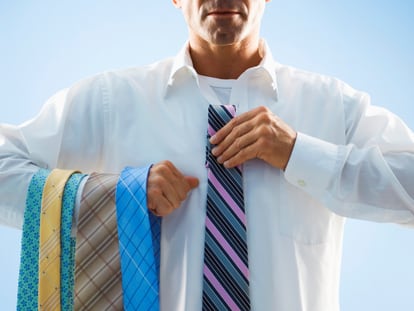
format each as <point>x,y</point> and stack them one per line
<point>366,178</point>
<point>55,138</point>
<point>20,160</point>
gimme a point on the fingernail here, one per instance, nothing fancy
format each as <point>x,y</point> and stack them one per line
<point>213,139</point>
<point>214,151</point>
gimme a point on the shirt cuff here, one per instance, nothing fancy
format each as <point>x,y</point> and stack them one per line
<point>77,206</point>
<point>312,164</point>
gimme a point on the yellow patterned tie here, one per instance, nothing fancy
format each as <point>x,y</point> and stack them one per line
<point>49,240</point>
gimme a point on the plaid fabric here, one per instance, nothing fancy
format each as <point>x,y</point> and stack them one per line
<point>139,241</point>
<point>98,284</point>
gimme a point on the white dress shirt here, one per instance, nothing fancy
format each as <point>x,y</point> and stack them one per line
<point>350,159</point>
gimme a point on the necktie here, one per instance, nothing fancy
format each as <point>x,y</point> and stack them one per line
<point>27,295</point>
<point>226,273</point>
<point>98,272</point>
<point>68,243</point>
<point>139,242</point>
<point>49,240</point>
<point>27,298</point>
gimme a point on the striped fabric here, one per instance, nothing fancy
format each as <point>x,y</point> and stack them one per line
<point>98,284</point>
<point>226,272</point>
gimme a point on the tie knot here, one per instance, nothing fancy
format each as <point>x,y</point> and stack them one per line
<point>218,116</point>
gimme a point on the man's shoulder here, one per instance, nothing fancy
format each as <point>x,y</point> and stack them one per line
<point>291,74</point>
<point>315,84</point>
<point>122,80</point>
<point>157,70</point>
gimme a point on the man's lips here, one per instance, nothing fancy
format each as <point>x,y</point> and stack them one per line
<point>223,12</point>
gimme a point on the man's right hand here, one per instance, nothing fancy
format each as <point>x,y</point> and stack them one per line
<point>167,188</point>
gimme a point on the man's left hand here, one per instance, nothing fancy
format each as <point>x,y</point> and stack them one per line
<point>255,134</point>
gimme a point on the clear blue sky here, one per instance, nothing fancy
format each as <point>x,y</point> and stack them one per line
<point>48,45</point>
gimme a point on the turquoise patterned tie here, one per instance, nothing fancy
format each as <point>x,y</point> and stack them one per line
<point>68,243</point>
<point>29,259</point>
<point>27,297</point>
<point>139,242</point>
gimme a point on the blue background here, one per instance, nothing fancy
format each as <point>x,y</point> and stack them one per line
<point>48,45</point>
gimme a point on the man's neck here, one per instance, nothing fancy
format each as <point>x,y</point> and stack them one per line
<point>225,62</point>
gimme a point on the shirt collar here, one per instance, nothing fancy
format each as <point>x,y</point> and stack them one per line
<point>268,65</point>
<point>183,64</point>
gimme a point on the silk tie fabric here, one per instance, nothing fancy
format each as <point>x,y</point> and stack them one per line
<point>68,243</point>
<point>139,242</point>
<point>27,295</point>
<point>225,271</point>
<point>98,273</point>
<point>49,240</point>
<point>27,298</point>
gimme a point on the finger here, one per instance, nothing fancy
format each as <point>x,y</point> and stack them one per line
<point>193,182</point>
<point>182,184</point>
<point>227,128</point>
<point>241,137</point>
<point>167,188</point>
<point>157,203</point>
<point>174,170</point>
<point>177,180</point>
<point>162,207</point>
<point>169,183</point>
<point>254,123</point>
<point>248,153</point>
<point>235,136</point>
<point>167,169</point>
<point>163,197</point>
<point>177,191</point>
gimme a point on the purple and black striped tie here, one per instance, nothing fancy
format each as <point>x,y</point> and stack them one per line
<point>226,272</point>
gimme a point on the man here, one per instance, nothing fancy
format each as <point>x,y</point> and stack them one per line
<point>311,148</point>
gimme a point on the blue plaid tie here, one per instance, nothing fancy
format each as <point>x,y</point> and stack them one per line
<point>139,242</point>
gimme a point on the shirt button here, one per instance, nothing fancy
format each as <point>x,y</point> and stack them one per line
<point>302,183</point>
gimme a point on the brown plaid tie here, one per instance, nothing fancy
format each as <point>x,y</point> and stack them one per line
<point>98,284</point>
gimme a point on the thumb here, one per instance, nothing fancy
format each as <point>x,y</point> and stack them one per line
<point>192,181</point>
